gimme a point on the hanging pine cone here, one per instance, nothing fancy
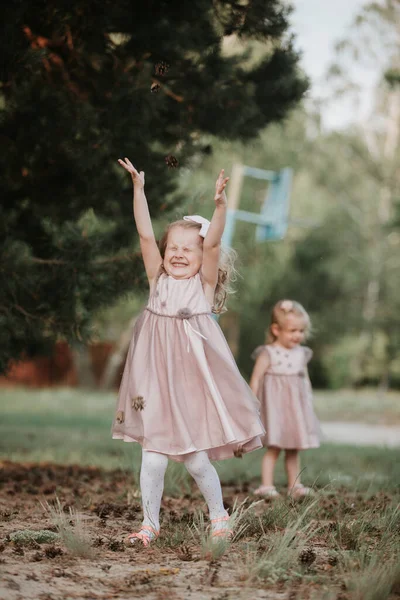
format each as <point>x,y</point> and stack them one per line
<point>171,161</point>
<point>161,68</point>
<point>155,87</point>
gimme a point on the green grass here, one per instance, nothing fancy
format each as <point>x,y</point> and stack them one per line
<point>341,543</point>
<point>358,542</point>
<point>73,426</point>
<point>364,406</point>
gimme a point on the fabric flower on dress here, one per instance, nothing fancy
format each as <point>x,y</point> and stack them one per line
<point>120,418</point>
<point>184,313</point>
<point>138,403</point>
<point>238,453</point>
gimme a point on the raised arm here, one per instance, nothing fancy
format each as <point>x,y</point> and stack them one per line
<point>261,365</point>
<point>148,245</point>
<point>212,241</point>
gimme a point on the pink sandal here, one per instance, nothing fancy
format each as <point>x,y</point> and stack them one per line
<point>146,535</point>
<point>299,491</point>
<point>224,533</point>
<point>267,491</point>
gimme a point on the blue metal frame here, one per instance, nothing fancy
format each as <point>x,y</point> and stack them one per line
<point>272,222</point>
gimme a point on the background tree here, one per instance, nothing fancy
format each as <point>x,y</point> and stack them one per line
<point>84,83</point>
<point>324,260</point>
<point>374,44</point>
<point>346,269</point>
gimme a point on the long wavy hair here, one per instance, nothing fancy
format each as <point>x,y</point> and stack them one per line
<point>280,312</point>
<point>227,273</point>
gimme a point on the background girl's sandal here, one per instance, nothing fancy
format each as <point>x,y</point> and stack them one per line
<point>224,533</point>
<point>267,491</point>
<point>300,491</point>
<point>146,535</point>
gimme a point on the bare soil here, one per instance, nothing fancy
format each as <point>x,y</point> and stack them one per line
<point>172,568</point>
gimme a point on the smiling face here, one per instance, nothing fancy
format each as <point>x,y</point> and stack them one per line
<point>291,332</point>
<point>183,252</point>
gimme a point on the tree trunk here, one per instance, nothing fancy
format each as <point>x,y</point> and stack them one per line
<point>83,366</point>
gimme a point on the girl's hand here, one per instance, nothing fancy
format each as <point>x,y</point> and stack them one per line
<point>220,197</point>
<point>137,178</point>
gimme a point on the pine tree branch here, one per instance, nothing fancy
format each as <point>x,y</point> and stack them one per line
<point>167,91</point>
<point>121,258</point>
<point>98,261</point>
<point>25,313</point>
<point>44,261</point>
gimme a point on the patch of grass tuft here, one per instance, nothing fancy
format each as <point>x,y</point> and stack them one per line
<point>71,529</point>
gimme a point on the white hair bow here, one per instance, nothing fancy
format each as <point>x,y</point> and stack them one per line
<point>205,223</point>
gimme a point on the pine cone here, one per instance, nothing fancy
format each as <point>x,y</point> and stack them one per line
<point>171,161</point>
<point>155,87</point>
<point>307,556</point>
<point>161,68</point>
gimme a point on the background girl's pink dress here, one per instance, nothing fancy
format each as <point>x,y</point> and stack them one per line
<point>285,394</point>
<point>181,390</point>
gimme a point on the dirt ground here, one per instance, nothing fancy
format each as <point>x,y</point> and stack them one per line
<point>173,568</point>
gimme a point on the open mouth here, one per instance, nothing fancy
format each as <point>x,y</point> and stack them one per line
<point>177,264</point>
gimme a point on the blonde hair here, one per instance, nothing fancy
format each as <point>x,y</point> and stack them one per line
<point>279,314</point>
<point>226,266</point>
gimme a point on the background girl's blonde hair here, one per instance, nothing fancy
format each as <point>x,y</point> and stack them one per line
<point>280,312</point>
<point>226,267</point>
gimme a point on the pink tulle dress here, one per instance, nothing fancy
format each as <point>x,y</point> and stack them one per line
<point>181,390</point>
<point>286,401</point>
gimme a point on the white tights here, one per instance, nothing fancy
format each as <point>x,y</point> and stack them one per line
<point>152,474</point>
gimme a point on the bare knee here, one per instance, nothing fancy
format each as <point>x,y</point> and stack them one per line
<point>291,454</point>
<point>273,451</point>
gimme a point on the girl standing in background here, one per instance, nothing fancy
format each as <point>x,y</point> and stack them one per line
<point>281,383</point>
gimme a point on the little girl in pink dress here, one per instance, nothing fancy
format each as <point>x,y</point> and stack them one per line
<point>280,381</point>
<point>182,395</point>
